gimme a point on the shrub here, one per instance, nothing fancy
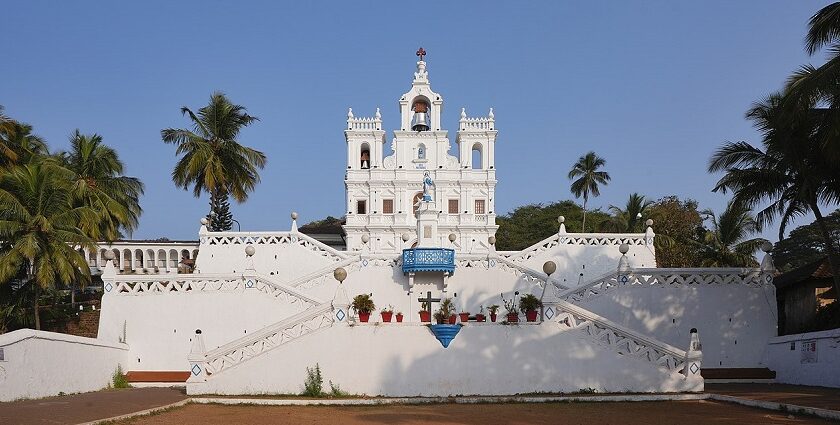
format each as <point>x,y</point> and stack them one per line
<point>313,386</point>
<point>362,303</point>
<point>118,380</point>
<point>529,302</point>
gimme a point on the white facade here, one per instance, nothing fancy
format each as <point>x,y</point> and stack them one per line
<point>382,192</point>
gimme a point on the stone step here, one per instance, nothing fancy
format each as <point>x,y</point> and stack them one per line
<point>733,374</point>
<point>157,376</point>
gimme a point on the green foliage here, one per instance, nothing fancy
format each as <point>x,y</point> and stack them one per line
<point>446,309</point>
<point>529,302</point>
<point>336,391</point>
<point>363,303</point>
<point>679,230</point>
<point>313,385</point>
<point>726,243</point>
<point>805,244</point>
<point>118,380</point>
<point>221,220</point>
<point>631,219</point>
<point>588,177</point>
<point>529,224</point>
<point>510,305</point>
<point>213,160</point>
<point>493,308</point>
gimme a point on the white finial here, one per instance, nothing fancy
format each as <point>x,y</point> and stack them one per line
<point>377,115</point>
<point>349,113</point>
<point>491,114</point>
<point>463,113</point>
<point>294,216</point>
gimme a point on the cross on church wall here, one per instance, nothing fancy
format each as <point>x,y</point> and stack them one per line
<point>428,301</point>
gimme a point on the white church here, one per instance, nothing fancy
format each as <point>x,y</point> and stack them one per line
<point>261,307</point>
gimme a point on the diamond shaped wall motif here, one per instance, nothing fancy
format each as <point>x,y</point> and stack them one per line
<point>108,287</point>
<point>340,315</point>
<point>249,283</point>
<point>549,313</point>
<point>195,370</point>
<point>694,368</point>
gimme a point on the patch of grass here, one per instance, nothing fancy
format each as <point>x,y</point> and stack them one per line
<point>314,383</point>
<point>118,380</point>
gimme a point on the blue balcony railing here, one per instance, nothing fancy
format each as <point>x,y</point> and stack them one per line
<point>428,260</point>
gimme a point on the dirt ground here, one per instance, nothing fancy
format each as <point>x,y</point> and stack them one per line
<point>648,413</point>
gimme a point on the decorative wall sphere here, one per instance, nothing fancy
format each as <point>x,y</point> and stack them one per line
<point>406,236</point>
<point>549,267</point>
<point>767,246</point>
<point>624,248</point>
<point>294,215</point>
<point>561,219</point>
<point>492,240</point>
<point>250,250</point>
<point>365,238</point>
<point>109,255</point>
<point>452,237</point>
<point>340,274</point>
<point>204,221</point>
<point>649,222</point>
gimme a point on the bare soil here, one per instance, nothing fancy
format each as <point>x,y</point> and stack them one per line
<point>648,413</point>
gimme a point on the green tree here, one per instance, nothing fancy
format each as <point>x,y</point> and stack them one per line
<point>97,181</point>
<point>221,219</point>
<point>679,230</point>
<point>17,143</point>
<point>586,177</point>
<point>805,244</point>
<point>529,224</point>
<point>213,160</point>
<point>791,172</point>
<point>41,229</point>
<point>727,242</point>
<point>631,219</point>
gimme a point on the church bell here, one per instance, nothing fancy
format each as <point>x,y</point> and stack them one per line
<point>420,122</point>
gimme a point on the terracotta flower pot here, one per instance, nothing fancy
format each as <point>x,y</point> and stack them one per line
<point>364,317</point>
<point>425,316</point>
<point>452,319</point>
<point>386,316</point>
<point>399,318</point>
<point>465,317</point>
<point>531,316</point>
<point>513,318</point>
<point>480,317</point>
<point>492,317</point>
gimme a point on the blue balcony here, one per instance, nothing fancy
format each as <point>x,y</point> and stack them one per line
<point>428,260</point>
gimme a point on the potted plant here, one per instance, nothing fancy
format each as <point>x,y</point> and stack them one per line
<point>399,317</point>
<point>493,309</point>
<point>387,313</point>
<point>465,316</point>
<point>425,314</point>
<point>479,317</point>
<point>363,305</point>
<point>529,304</point>
<point>444,313</point>
<point>510,306</point>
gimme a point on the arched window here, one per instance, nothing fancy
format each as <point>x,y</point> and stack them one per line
<point>477,157</point>
<point>364,156</point>
<point>421,151</point>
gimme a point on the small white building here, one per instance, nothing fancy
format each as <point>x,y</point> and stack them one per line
<point>383,192</point>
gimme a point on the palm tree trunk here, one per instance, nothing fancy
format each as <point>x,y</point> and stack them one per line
<point>37,307</point>
<point>583,226</point>
<point>832,251</point>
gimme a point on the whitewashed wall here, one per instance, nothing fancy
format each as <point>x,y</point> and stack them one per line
<point>407,360</point>
<point>806,359</point>
<point>41,364</point>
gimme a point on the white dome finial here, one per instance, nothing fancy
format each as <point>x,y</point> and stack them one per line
<point>349,112</point>
<point>377,115</point>
<point>491,113</point>
<point>463,113</point>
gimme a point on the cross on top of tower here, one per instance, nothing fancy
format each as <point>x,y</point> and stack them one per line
<point>421,53</point>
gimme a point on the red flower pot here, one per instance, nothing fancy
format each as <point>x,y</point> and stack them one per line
<point>513,318</point>
<point>465,317</point>
<point>386,316</point>
<point>399,318</point>
<point>492,317</point>
<point>364,317</point>
<point>425,316</point>
<point>480,317</point>
<point>531,316</point>
<point>452,319</point>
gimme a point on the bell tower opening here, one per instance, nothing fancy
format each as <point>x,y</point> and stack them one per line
<point>364,156</point>
<point>420,121</point>
<point>477,157</point>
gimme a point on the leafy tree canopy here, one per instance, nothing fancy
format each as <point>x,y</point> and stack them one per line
<point>805,244</point>
<point>529,224</point>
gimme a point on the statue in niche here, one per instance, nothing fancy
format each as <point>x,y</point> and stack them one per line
<point>427,187</point>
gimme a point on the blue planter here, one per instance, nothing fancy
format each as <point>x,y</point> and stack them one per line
<point>445,333</point>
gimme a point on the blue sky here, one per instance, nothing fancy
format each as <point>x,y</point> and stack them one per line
<point>654,87</point>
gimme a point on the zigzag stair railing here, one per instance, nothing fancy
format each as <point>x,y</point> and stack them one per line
<point>664,276</point>
<point>590,239</point>
<point>272,336</point>
<point>319,276</point>
<point>619,339</point>
<point>270,238</point>
<point>529,273</point>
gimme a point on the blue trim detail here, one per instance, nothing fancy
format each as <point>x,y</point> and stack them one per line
<point>445,333</point>
<point>340,315</point>
<point>428,260</point>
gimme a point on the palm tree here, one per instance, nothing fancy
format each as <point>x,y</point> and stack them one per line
<point>17,143</point>
<point>588,179</point>
<point>629,219</point>
<point>791,172</point>
<point>41,229</point>
<point>213,160</point>
<point>726,243</point>
<point>97,182</point>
